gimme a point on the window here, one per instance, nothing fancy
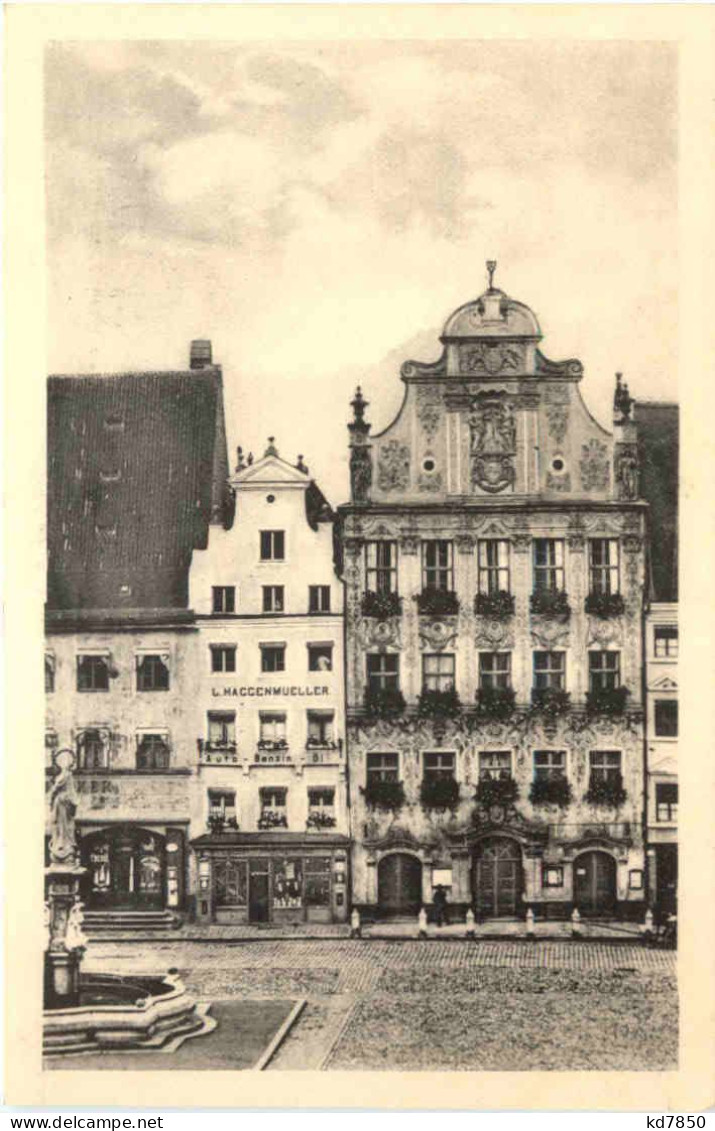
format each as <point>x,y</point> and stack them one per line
<point>494,764</point>
<point>438,671</point>
<point>549,764</point>
<point>605,767</point>
<point>550,670</point>
<point>49,673</point>
<point>548,565</point>
<point>666,640</point>
<point>222,728</point>
<point>381,567</point>
<point>272,727</point>
<point>92,750</point>
<point>321,799</point>
<point>604,671</point>
<point>603,565</point>
<point>223,657</point>
<point>666,718</point>
<point>320,657</point>
<point>318,598</point>
<point>152,673</point>
<point>274,799</point>
<point>92,673</point>
<point>382,767</point>
<point>222,803</point>
<point>666,801</point>
<point>494,572</point>
<point>321,725</point>
<point>438,766</point>
<point>152,752</point>
<point>272,546</point>
<point>273,657</point>
<point>437,565</point>
<point>383,672</point>
<point>494,669</point>
<point>224,598</point>
<point>273,599</point>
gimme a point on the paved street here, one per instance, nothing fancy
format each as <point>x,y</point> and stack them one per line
<point>449,1004</point>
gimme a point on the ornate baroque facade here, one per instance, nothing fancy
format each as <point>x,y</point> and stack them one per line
<point>493,560</point>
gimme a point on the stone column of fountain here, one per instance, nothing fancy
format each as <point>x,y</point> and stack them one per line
<point>63,911</point>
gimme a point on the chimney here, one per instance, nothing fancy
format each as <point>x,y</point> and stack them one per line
<point>200,356</point>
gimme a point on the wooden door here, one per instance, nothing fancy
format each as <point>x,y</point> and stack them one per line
<point>595,883</point>
<point>399,884</point>
<point>666,878</point>
<point>498,878</point>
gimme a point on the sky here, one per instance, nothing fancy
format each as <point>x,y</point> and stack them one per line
<point>318,210</point>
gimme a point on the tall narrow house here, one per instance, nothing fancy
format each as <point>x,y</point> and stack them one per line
<point>137,471</point>
<point>494,584</point>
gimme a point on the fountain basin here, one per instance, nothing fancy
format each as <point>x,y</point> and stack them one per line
<point>117,1012</point>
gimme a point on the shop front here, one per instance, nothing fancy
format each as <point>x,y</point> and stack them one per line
<point>132,867</point>
<point>271,878</point>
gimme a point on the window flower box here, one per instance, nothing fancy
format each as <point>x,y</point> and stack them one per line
<point>498,606</point>
<point>384,703</point>
<point>314,743</point>
<point>381,605</point>
<point>272,819</point>
<point>608,793</point>
<point>318,819</point>
<point>551,702</point>
<point>272,744</point>
<point>439,704</point>
<point>437,602</point>
<point>607,701</point>
<point>496,702</point>
<point>502,791</point>
<point>605,605</point>
<point>387,795</point>
<point>214,747</point>
<point>218,824</point>
<point>554,790</point>
<point>439,793</point>
<point>551,603</point>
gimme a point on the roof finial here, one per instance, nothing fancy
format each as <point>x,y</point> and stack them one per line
<point>271,450</point>
<point>491,268</point>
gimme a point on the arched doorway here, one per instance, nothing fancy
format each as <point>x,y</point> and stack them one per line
<point>595,883</point>
<point>399,884</point>
<point>126,867</point>
<point>497,878</point>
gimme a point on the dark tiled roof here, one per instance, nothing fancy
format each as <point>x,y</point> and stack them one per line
<point>658,441</point>
<point>137,467</point>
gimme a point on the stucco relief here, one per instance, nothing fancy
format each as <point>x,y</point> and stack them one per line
<point>393,466</point>
<point>437,634</point>
<point>492,428</point>
<point>494,635</point>
<point>604,632</point>
<point>627,471</point>
<point>558,482</point>
<point>491,358</point>
<point>547,633</point>
<point>379,634</point>
<point>594,466</point>
<point>431,481</point>
<point>557,417</point>
<point>429,408</point>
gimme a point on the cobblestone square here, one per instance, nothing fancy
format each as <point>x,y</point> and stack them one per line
<point>452,1004</point>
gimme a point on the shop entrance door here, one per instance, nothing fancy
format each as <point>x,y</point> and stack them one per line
<point>258,911</point>
<point>497,878</point>
<point>595,883</point>
<point>666,879</point>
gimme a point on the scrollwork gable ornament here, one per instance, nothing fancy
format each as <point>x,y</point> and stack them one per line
<point>393,466</point>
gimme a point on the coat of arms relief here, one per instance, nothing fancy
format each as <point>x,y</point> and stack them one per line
<point>492,445</point>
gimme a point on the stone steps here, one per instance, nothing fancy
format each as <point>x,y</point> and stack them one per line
<point>101,922</point>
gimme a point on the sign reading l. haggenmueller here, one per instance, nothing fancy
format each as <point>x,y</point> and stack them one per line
<point>265,692</point>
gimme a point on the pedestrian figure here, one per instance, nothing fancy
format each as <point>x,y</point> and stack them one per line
<point>440,905</point>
